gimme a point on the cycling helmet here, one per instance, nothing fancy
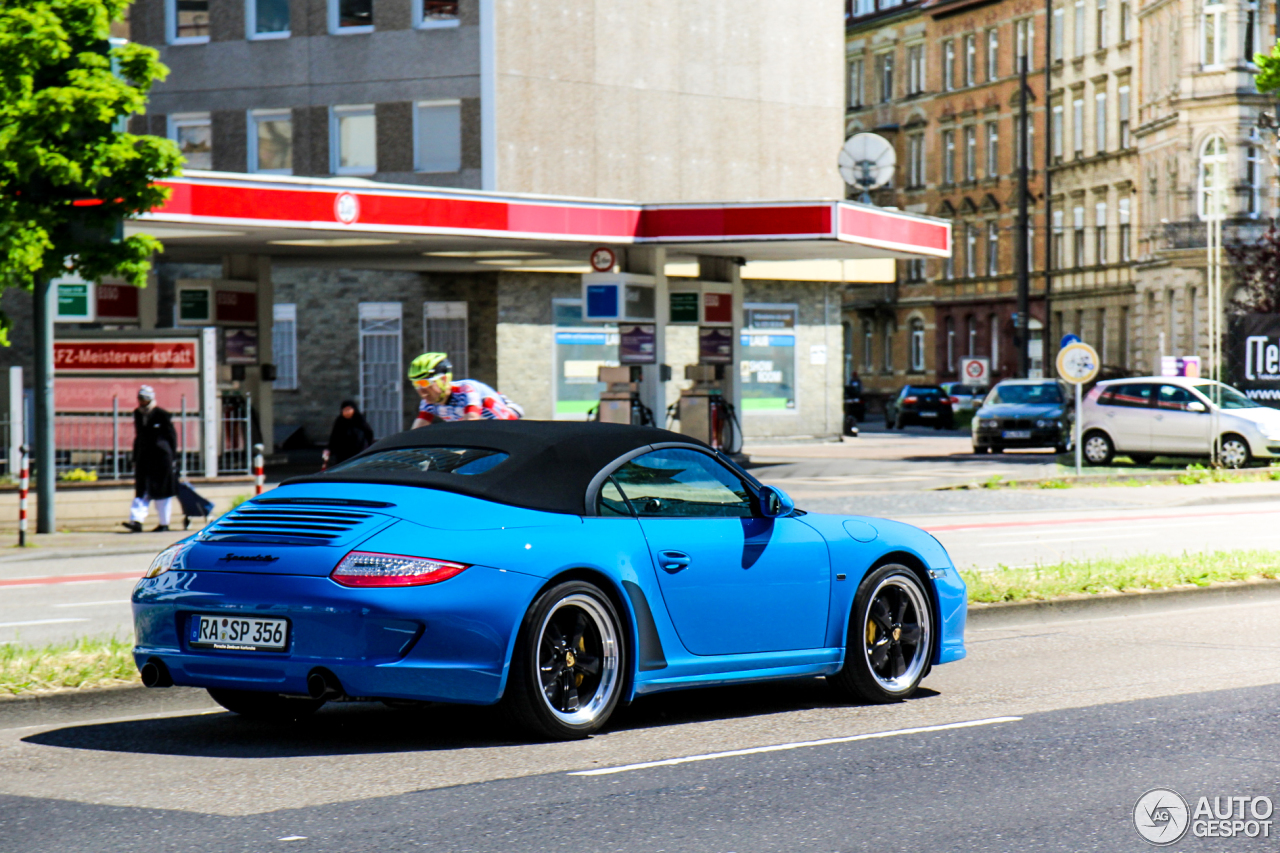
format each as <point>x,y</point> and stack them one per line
<point>432,368</point>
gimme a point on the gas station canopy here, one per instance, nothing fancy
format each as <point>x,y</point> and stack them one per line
<point>370,223</point>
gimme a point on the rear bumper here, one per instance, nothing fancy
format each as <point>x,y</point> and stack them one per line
<point>1039,438</point>
<point>446,642</point>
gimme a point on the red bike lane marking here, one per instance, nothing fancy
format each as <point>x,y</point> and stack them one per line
<point>51,579</point>
<point>1067,521</point>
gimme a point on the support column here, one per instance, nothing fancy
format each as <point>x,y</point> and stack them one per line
<point>645,260</point>
<point>44,298</point>
<point>729,270</point>
<point>263,396</point>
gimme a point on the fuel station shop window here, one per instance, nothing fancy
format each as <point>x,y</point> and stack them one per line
<point>767,363</point>
<point>581,349</point>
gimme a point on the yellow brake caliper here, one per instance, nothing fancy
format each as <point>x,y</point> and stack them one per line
<point>582,647</point>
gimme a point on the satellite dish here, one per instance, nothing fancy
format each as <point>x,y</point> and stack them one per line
<point>866,162</point>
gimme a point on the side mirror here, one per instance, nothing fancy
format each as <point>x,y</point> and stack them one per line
<point>775,503</point>
<point>1196,406</point>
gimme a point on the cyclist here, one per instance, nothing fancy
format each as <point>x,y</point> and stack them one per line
<point>445,399</point>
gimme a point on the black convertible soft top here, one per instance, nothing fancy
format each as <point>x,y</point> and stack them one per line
<point>550,464</point>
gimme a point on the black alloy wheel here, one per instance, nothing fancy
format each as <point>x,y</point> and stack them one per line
<point>566,676</point>
<point>271,707</point>
<point>890,643</point>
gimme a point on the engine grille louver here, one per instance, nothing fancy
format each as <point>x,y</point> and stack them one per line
<point>276,523</point>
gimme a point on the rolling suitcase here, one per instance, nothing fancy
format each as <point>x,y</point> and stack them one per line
<point>193,504</point>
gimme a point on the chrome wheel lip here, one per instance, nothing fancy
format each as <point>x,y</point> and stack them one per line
<point>610,673</point>
<point>905,682</point>
<point>1095,448</point>
<point>1236,457</point>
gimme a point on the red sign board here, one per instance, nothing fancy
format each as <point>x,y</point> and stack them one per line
<point>117,302</point>
<point>717,307</point>
<point>154,356</point>
<point>236,306</point>
<point>95,393</point>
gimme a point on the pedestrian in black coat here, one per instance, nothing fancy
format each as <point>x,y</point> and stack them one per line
<point>154,448</point>
<point>350,435</point>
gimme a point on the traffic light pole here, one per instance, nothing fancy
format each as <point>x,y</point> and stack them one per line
<point>1022,253</point>
<point>45,299</point>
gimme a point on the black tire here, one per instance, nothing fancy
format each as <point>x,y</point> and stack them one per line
<point>571,643</point>
<point>1234,452</point>
<point>888,423</point>
<point>890,644</point>
<point>995,448</point>
<point>1097,448</point>
<point>1060,449</point>
<point>981,448</point>
<point>1143,459</point>
<point>850,425</point>
<point>265,706</point>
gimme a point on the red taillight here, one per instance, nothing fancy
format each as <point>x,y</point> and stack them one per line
<point>955,401</point>
<point>910,400</point>
<point>362,568</point>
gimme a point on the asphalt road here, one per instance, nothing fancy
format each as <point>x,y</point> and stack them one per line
<point>1043,739</point>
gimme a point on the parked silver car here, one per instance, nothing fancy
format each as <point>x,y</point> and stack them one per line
<point>1148,416</point>
<point>965,399</point>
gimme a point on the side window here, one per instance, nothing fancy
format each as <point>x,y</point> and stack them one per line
<point>676,482</point>
<point>1133,395</point>
<point>1174,397</point>
<point>611,502</point>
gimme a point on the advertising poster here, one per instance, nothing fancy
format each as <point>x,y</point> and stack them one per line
<point>1254,353</point>
<point>241,346</point>
<point>715,346</point>
<point>637,343</point>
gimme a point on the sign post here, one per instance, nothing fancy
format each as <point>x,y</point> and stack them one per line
<point>1078,364</point>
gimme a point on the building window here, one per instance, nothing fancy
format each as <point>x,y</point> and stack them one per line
<point>868,346</point>
<point>1100,122</point>
<point>951,344</point>
<point>949,65</point>
<point>437,134</point>
<point>1100,233</point>
<point>284,345</point>
<point>267,19</point>
<point>970,153</point>
<point>888,346</point>
<point>444,329</point>
<point>993,54</point>
<point>353,135</point>
<point>271,142</point>
<point>1123,109</point>
<point>993,149</point>
<point>1077,247</point>
<point>1031,244</point>
<point>970,250</point>
<point>1123,205</point>
<point>915,69</point>
<point>1250,32</point>
<point>1057,133</point>
<point>1059,241</point>
<point>915,270</point>
<point>1059,36</point>
<point>949,266</point>
<point>1077,49</point>
<point>350,16</point>
<point>381,366</point>
<point>1100,32</point>
<point>993,248</point>
<point>435,13</point>
<point>1024,46</point>
<point>993,325</point>
<point>885,69</point>
<point>1213,179</point>
<point>1125,22</point>
<point>948,156</point>
<point>855,83</point>
<point>865,7</point>
<point>193,134</point>
<point>915,160</point>
<point>187,21</point>
<point>1253,179</point>
<point>1017,144</point>
<point>1213,32</point>
<point>1077,126</point>
<point>917,346</point>
<point>970,60</point>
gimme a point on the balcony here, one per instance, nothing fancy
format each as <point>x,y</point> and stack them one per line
<point>870,296</point>
<point>1193,234</point>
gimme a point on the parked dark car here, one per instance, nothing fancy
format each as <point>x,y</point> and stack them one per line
<point>855,408</point>
<point>919,404</point>
<point>1024,413</point>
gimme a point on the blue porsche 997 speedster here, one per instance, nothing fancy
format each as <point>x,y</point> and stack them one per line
<point>557,568</point>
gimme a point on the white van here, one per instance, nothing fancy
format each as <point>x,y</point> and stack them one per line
<point>1148,416</point>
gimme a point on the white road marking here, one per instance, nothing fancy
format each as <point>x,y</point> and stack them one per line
<point>1067,539</point>
<point>93,603</point>
<point>758,750</point>
<point>39,622</point>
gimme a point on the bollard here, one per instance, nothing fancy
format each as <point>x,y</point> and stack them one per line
<point>23,484</point>
<point>259,478</point>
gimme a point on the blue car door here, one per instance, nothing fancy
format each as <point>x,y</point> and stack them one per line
<point>733,582</point>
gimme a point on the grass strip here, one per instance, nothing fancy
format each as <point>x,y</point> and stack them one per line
<point>1119,574</point>
<point>87,662</point>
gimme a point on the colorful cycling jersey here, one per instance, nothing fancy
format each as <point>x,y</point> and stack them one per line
<point>468,395</point>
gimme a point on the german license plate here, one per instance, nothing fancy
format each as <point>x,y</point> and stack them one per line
<point>928,414</point>
<point>1016,433</point>
<point>241,633</point>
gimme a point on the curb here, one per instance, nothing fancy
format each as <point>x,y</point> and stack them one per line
<point>1169,478</point>
<point>123,700</point>
<point>1120,603</point>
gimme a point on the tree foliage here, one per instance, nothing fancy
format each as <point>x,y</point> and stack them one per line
<point>1257,269</point>
<point>1268,69</point>
<point>68,175</point>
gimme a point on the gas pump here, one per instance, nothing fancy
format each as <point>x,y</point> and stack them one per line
<point>620,401</point>
<point>703,411</point>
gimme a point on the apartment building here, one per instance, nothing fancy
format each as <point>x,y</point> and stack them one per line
<point>940,80</point>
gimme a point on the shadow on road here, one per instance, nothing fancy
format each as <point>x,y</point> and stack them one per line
<point>359,728</point>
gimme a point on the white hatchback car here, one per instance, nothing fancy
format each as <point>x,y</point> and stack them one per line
<point>1148,416</point>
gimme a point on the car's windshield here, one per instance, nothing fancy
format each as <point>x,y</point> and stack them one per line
<point>1231,398</point>
<point>922,391</point>
<point>1032,395</point>
<point>447,460</point>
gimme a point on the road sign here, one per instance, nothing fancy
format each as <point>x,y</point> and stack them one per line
<point>603,259</point>
<point>1077,363</point>
<point>975,371</point>
<point>1068,340</point>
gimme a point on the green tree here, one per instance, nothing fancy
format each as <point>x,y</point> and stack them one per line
<point>1268,69</point>
<point>68,172</point>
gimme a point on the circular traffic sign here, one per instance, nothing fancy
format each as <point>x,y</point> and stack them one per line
<point>1068,340</point>
<point>603,259</point>
<point>975,369</point>
<point>1077,363</point>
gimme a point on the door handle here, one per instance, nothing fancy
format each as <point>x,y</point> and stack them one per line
<point>673,561</point>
